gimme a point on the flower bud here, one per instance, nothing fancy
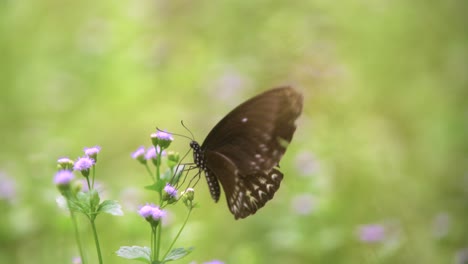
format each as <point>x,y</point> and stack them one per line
<point>65,164</point>
<point>172,158</point>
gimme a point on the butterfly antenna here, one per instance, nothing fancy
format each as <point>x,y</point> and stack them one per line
<point>182,122</point>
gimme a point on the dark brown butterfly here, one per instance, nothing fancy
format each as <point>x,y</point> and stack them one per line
<point>244,149</point>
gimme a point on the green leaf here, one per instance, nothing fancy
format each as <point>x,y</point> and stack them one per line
<point>158,186</point>
<point>94,199</point>
<point>178,253</point>
<point>80,203</point>
<point>135,252</point>
<point>110,207</point>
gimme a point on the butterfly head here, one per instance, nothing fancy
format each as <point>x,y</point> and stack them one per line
<point>194,145</point>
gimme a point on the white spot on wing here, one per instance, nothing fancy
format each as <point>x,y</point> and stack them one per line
<point>244,119</point>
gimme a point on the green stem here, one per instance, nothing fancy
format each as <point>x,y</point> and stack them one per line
<point>178,234</point>
<point>158,162</point>
<point>158,239</point>
<point>77,234</point>
<point>154,243</point>
<point>89,184</point>
<point>96,239</point>
<point>94,173</point>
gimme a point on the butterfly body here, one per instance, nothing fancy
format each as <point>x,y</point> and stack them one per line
<point>243,150</point>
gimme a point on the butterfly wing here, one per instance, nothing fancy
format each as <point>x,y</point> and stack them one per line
<point>242,150</point>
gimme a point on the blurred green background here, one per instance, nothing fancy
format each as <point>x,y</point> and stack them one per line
<point>377,171</point>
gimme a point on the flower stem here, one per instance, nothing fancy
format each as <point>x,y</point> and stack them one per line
<point>94,173</point>
<point>154,243</point>
<point>77,235</point>
<point>96,239</point>
<point>158,240</point>
<point>178,234</point>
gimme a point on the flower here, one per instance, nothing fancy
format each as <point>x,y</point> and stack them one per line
<point>303,204</point>
<point>371,233</point>
<point>152,213</point>
<point>170,190</point>
<point>92,152</point>
<point>188,194</point>
<point>152,154</point>
<point>161,139</point>
<point>139,155</point>
<point>83,164</point>
<point>63,179</point>
<point>76,260</point>
<point>65,164</point>
<point>146,210</point>
<point>7,187</point>
<point>158,213</point>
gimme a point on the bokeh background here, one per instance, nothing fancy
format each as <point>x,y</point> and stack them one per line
<point>377,171</point>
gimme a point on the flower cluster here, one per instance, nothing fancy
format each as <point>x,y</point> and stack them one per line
<point>152,213</point>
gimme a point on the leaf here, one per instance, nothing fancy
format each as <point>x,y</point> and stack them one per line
<point>178,253</point>
<point>135,253</point>
<point>110,207</point>
<point>158,186</point>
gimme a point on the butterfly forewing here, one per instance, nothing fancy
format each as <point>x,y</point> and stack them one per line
<point>244,148</point>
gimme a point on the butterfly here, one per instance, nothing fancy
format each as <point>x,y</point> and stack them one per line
<point>242,151</point>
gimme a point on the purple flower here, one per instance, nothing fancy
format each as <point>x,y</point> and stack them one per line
<point>371,233</point>
<point>83,163</point>
<point>158,213</point>
<point>150,153</point>
<point>303,204</point>
<point>146,210</point>
<point>151,212</point>
<point>76,260</point>
<point>164,135</point>
<point>7,187</point>
<point>214,262</point>
<point>63,177</point>
<point>92,151</point>
<point>161,139</point>
<point>140,152</point>
<point>170,190</point>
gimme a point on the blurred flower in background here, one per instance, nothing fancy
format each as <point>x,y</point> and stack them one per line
<point>441,225</point>
<point>306,163</point>
<point>7,188</point>
<point>372,233</point>
<point>303,204</point>
<point>461,257</point>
